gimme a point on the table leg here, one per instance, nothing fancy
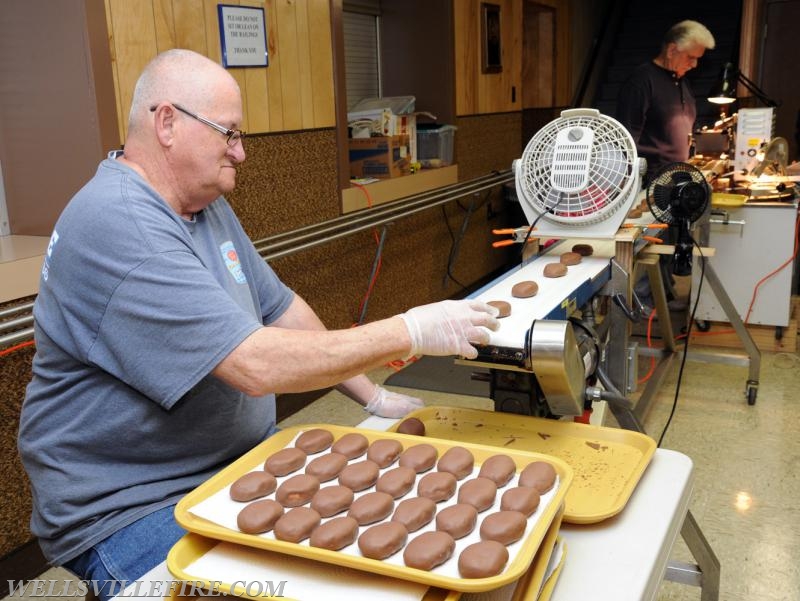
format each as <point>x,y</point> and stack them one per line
<point>707,571</point>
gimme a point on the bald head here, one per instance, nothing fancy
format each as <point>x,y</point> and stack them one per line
<point>181,76</point>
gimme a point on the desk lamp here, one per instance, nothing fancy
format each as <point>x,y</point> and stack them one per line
<point>724,91</point>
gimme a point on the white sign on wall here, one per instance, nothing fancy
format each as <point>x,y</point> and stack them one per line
<point>243,36</point>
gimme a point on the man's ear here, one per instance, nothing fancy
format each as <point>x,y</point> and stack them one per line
<point>164,123</point>
<point>672,48</point>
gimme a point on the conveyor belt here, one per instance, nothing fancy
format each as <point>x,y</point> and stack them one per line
<point>557,297</point>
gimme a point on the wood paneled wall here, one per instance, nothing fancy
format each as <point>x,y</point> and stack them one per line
<point>294,92</point>
<point>482,93</point>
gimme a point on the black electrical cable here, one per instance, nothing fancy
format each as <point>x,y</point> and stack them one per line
<point>686,343</point>
<point>373,275</point>
<point>455,245</point>
<point>551,210</point>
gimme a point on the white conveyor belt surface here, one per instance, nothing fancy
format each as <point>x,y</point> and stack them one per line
<point>554,293</point>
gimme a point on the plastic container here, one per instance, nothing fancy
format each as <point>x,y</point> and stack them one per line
<point>435,145</point>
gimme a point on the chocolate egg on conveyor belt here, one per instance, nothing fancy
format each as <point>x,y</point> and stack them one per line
<point>555,270</point>
<point>584,250</point>
<point>525,289</point>
<point>504,307</point>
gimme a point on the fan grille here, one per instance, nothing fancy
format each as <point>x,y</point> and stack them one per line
<point>575,183</point>
<point>663,199</point>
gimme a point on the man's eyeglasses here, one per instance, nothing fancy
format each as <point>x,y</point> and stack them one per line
<point>234,135</point>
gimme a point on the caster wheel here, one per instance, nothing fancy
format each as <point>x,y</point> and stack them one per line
<point>751,396</point>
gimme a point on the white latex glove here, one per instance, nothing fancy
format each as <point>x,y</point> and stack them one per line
<point>392,404</point>
<point>450,327</point>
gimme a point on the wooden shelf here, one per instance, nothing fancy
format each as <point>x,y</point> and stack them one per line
<point>386,190</point>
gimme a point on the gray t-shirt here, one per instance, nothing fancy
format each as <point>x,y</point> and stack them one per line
<point>136,307</point>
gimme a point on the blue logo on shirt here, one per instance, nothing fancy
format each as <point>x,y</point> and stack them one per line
<point>231,258</point>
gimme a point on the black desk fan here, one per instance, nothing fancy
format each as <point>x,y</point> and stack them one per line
<point>678,196</point>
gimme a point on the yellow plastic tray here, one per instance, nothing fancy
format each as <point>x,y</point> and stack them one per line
<point>192,547</point>
<point>722,199</point>
<point>528,587</point>
<point>518,563</point>
<point>607,462</point>
<point>547,589</point>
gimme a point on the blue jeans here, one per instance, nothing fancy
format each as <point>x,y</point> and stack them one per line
<point>128,554</point>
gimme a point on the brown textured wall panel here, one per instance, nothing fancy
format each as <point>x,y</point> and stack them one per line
<point>15,496</point>
<point>486,143</point>
<point>287,181</point>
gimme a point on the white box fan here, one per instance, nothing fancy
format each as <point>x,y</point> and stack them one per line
<point>578,176</point>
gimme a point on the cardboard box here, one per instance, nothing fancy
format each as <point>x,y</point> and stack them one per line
<point>381,157</point>
<point>387,123</point>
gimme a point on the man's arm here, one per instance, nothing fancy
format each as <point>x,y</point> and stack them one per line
<point>282,358</point>
<point>632,106</point>
<point>300,316</point>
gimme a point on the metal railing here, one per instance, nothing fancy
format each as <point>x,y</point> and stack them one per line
<point>19,327</point>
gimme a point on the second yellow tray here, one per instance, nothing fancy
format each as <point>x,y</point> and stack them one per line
<point>607,463</point>
<point>182,558</point>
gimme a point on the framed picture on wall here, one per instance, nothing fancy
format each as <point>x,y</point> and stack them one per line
<point>491,54</point>
<point>242,36</point>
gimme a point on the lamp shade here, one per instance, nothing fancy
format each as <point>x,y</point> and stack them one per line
<point>724,90</point>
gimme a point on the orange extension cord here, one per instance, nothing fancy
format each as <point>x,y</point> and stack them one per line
<point>16,347</point>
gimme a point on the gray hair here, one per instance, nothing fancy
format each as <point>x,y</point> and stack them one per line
<point>686,33</point>
<point>176,75</point>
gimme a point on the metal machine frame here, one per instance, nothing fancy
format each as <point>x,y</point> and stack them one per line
<point>519,386</point>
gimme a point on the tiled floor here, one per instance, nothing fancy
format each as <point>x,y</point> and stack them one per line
<point>747,481</point>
